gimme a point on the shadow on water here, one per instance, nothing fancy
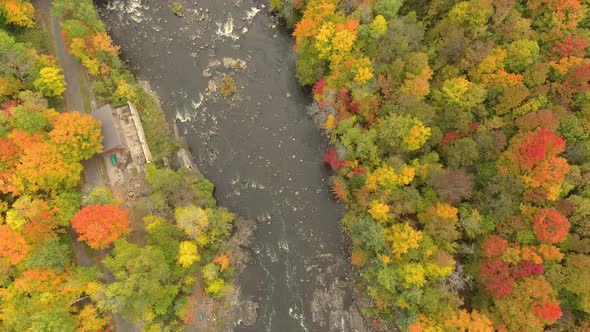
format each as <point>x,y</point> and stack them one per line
<point>261,150</point>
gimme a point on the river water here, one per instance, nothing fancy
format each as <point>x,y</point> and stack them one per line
<point>261,149</point>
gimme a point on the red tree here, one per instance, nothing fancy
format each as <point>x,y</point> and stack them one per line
<point>570,46</point>
<point>550,225</point>
<point>527,268</point>
<point>100,225</point>
<point>496,278</point>
<point>538,146</point>
<point>548,312</point>
<point>331,158</point>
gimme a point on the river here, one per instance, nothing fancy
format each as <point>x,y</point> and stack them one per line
<point>261,149</point>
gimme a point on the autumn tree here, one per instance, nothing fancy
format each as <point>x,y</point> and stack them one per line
<point>100,225</point>
<point>401,132</point>
<point>18,12</point>
<point>550,225</point>
<point>532,305</point>
<point>453,185</point>
<point>42,167</point>
<point>194,221</point>
<point>12,245</point>
<point>51,82</point>
<point>77,136</point>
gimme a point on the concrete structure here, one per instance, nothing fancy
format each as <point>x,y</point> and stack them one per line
<point>124,141</point>
<point>141,135</point>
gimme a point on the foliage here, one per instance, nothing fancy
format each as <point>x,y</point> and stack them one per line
<point>463,141</point>
<point>100,225</point>
<point>50,82</point>
<point>18,12</point>
<point>143,290</point>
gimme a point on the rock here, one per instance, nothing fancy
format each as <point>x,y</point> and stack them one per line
<point>230,63</point>
<point>206,73</point>
<point>246,313</point>
<point>214,64</point>
<point>212,87</point>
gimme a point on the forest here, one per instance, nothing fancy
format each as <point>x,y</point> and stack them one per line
<point>460,134</point>
<point>148,281</point>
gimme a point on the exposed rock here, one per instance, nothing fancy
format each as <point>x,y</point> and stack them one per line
<point>214,63</point>
<point>212,86</point>
<point>246,313</point>
<point>230,63</point>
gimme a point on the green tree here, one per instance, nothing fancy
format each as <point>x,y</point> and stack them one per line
<point>31,121</point>
<point>461,152</point>
<point>50,255</point>
<point>143,289</point>
<point>521,54</point>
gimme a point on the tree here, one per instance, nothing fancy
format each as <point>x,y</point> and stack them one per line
<point>550,225</point>
<point>100,225</point>
<point>187,254</point>
<point>163,180</point>
<point>461,93</point>
<point>194,221</point>
<point>77,136</point>
<point>12,245</point>
<point>440,222</point>
<point>496,278</point>
<point>494,246</point>
<point>461,152</point>
<point>51,82</point>
<point>99,195</point>
<point>55,319</point>
<point>29,120</point>
<point>90,319</point>
<point>473,321</point>
<point>537,146</point>
<point>530,297</point>
<point>18,61</point>
<point>473,16</point>
<point>379,211</point>
<point>401,132</point>
<point>521,54</point>
<point>453,185</point>
<point>402,238</point>
<point>223,261</point>
<point>18,12</point>
<point>143,289</point>
<point>51,254</point>
<point>43,168</point>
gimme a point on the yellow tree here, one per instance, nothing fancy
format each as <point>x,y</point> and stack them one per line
<point>18,12</point>
<point>50,82</point>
